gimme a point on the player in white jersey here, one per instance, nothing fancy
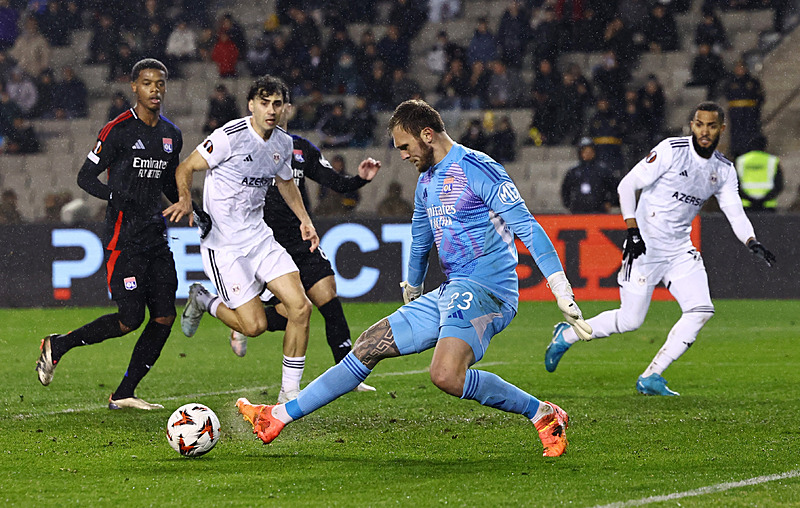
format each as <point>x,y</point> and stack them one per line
<point>676,178</point>
<point>240,254</point>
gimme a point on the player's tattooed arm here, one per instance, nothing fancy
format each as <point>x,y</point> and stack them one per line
<point>375,344</point>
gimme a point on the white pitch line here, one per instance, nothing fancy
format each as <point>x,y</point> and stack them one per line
<point>96,407</point>
<point>720,487</point>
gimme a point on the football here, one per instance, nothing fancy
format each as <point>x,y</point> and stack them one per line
<point>193,430</point>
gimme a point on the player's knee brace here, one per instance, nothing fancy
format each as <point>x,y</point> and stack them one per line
<point>131,312</point>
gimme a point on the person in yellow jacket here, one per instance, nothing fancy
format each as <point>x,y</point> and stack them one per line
<point>760,177</point>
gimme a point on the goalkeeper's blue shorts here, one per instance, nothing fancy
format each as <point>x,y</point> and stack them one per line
<point>459,308</point>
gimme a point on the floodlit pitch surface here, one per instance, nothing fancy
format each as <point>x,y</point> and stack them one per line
<point>731,439</point>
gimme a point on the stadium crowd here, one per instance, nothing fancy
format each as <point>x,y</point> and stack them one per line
<point>511,62</point>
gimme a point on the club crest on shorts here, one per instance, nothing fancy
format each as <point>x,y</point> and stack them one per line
<point>276,157</point>
<point>130,283</point>
<point>642,280</point>
<point>236,288</point>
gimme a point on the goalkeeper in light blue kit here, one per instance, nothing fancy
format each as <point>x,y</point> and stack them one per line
<point>467,204</point>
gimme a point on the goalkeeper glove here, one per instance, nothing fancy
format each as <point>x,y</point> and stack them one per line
<point>562,290</point>
<point>411,293</point>
<point>761,251</point>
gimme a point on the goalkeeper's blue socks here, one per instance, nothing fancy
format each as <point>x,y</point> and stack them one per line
<point>491,390</point>
<point>332,384</point>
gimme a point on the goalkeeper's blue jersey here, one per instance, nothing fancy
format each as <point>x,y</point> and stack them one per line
<point>469,206</point>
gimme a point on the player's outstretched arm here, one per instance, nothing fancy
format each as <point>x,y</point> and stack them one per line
<point>291,194</point>
<point>183,179</point>
<point>368,168</point>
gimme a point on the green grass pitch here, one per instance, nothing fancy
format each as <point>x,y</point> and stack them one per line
<point>738,418</point>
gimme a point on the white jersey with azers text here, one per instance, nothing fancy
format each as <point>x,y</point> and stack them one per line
<point>242,165</point>
<point>676,183</point>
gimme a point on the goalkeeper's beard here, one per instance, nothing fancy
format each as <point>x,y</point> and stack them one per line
<point>426,159</point>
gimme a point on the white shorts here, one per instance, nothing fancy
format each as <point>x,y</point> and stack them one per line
<point>651,268</point>
<point>240,276</point>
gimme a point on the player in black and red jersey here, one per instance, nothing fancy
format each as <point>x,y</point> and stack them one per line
<point>316,273</point>
<point>140,150</point>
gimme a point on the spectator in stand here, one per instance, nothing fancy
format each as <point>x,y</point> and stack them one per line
<point>104,42</point>
<point>72,96</point>
<point>587,32</point>
<point>335,130</point>
<point>154,45</point>
<point>205,43</point>
<point>281,59</point>
<point>343,76</point>
<point>637,138</point>
<point>404,87</point>
<point>45,93</point>
<point>634,15</point>
<point>53,203</point>
<point>474,136</point>
<point>610,80</point>
<point>365,59</point>
<point>393,204</point>
<point>607,130</point>
<point>483,45</point>
<point>503,90</point>
<point>339,43</point>
<point>363,123</point>
<point>331,203</point>
<point>454,87</point>
<point>378,87</point>
<point>258,57</point>
<point>22,91</point>
<point>226,55</point>
<point>760,177</point>
<point>711,31</point>
<point>235,31</point>
<point>437,59</point>
<point>9,213</point>
<point>182,43</point>
<point>22,139</point>
<point>119,104</point>
<point>574,99</point>
<point>588,187</point>
<point>546,94</point>
<point>708,70</point>
<point>121,64</point>
<point>661,31</point>
<point>478,85</point>
<point>513,34</point>
<point>303,31</point>
<point>443,10</point>
<point>745,98</point>
<point>410,17</point>
<point>55,24</point>
<point>619,39</point>
<point>31,50</point>
<point>503,142</point>
<point>394,50</point>
<point>313,67</point>
<point>9,19</point>
<point>652,106</point>
<point>309,112</point>
<point>9,111</point>
<point>546,36</point>
<point>222,109</point>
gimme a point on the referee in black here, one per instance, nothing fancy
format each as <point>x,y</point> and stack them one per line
<point>316,273</point>
<point>140,150</point>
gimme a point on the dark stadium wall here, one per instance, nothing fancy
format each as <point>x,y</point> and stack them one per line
<point>46,265</point>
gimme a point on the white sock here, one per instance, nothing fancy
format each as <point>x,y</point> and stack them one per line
<point>292,371</point>
<point>544,410</point>
<point>280,413</point>
<point>214,305</point>
<point>570,336</point>
<point>659,364</point>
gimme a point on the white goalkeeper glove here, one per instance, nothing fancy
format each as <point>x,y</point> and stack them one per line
<point>410,292</point>
<point>561,289</point>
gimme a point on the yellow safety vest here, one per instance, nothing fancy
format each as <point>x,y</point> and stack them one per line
<point>756,171</point>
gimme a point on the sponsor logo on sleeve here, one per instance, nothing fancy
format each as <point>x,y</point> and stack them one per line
<point>208,146</point>
<point>509,194</point>
<point>651,157</point>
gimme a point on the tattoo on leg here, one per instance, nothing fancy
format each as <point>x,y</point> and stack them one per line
<point>375,344</point>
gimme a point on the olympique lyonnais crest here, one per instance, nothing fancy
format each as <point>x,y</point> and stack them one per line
<point>276,157</point>
<point>130,283</point>
<point>298,156</point>
<point>167,142</point>
<point>447,184</point>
